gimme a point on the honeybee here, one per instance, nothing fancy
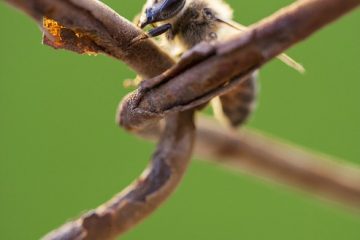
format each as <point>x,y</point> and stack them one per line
<point>181,24</point>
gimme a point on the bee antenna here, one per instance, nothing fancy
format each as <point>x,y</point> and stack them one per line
<point>282,57</point>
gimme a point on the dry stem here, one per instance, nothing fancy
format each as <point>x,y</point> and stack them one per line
<point>253,152</point>
<point>142,197</point>
<point>206,71</point>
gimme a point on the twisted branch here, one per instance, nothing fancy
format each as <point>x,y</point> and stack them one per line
<point>203,73</point>
<point>206,71</point>
<point>107,32</point>
<point>143,196</point>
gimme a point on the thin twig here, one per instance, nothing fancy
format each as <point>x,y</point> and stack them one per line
<point>107,29</point>
<point>270,158</point>
<point>205,75</point>
<point>112,35</point>
<point>141,198</point>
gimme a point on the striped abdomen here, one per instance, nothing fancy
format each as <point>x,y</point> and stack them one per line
<point>236,106</point>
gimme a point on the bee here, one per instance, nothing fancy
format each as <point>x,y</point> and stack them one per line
<point>181,24</point>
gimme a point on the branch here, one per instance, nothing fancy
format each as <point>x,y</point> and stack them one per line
<point>141,198</point>
<point>111,33</point>
<point>208,70</point>
<point>252,152</point>
<point>92,23</point>
<point>203,73</point>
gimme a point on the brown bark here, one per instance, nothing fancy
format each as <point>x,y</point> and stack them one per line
<point>142,197</point>
<point>202,74</point>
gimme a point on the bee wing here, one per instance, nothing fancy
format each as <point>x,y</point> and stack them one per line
<point>282,57</point>
<point>291,62</point>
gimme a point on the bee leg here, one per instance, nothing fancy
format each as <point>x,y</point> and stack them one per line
<point>159,30</point>
<point>152,33</point>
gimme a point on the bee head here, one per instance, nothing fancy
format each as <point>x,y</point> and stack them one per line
<point>161,11</point>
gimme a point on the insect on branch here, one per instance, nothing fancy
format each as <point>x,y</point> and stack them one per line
<point>208,70</point>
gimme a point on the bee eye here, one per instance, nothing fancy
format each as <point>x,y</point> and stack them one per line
<point>162,11</point>
<point>170,8</point>
<point>173,5</point>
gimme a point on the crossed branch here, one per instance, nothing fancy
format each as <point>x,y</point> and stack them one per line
<point>207,70</point>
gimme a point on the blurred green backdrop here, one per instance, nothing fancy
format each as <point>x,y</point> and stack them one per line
<point>61,153</point>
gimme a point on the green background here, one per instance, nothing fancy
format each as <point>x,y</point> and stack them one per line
<point>61,152</point>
